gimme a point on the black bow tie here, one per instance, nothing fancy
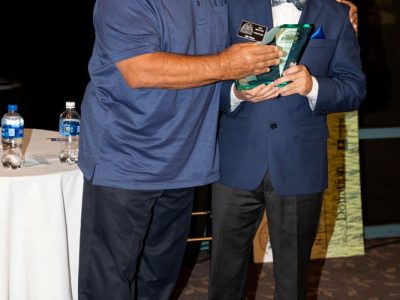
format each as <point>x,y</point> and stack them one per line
<point>300,4</point>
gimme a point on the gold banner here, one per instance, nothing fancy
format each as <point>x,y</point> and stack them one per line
<point>340,231</point>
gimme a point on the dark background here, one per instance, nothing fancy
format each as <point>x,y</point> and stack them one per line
<point>45,48</point>
<point>380,158</point>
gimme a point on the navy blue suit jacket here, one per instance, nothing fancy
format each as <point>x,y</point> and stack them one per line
<point>284,135</point>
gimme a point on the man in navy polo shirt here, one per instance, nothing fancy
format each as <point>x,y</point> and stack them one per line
<point>148,136</point>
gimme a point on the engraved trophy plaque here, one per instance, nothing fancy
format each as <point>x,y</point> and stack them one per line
<point>291,39</point>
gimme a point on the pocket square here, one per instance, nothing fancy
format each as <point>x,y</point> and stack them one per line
<point>318,34</point>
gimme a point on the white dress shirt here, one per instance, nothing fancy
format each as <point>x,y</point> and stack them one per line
<point>285,13</point>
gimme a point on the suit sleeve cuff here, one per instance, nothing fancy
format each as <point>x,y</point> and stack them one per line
<point>235,101</point>
<point>312,95</point>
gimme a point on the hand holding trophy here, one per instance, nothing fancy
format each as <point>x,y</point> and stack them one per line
<point>291,39</point>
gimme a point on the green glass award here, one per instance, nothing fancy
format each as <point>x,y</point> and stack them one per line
<point>291,39</point>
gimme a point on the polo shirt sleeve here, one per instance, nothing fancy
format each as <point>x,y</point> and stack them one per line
<point>127,28</point>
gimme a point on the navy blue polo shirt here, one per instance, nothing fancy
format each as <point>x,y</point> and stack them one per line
<point>151,138</point>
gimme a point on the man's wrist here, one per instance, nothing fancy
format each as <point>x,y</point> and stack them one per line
<point>235,101</point>
<point>313,94</point>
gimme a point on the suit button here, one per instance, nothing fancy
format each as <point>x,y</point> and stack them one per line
<point>273,125</point>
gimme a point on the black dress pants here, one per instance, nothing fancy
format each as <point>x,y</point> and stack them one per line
<point>132,242</point>
<point>292,223</point>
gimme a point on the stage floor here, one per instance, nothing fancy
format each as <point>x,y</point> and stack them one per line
<point>373,276</point>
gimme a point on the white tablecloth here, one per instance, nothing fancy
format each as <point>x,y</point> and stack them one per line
<point>40,207</point>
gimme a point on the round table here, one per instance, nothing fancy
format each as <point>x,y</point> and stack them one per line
<point>40,207</point>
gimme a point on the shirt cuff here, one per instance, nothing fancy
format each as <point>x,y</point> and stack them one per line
<point>235,101</point>
<point>313,94</point>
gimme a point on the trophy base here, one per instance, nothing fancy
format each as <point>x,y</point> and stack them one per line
<point>248,85</point>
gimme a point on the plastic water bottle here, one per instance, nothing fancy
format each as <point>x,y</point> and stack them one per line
<point>12,134</point>
<point>69,128</point>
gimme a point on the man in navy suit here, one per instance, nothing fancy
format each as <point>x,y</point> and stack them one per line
<point>274,153</point>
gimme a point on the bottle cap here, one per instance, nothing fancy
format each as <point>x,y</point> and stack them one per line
<point>70,104</point>
<point>12,107</point>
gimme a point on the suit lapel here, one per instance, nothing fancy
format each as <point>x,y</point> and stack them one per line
<point>311,11</point>
<point>262,11</point>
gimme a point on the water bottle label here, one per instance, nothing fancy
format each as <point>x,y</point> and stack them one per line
<point>12,131</point>
<point>69,127</point>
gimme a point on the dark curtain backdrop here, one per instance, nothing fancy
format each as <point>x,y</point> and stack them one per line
<point>45,47</point>
<point>379,158</point>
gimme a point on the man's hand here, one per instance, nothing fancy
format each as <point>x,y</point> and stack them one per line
<point>352,13</point>
<point>300,81</point>
<point>178,71</point>
<point>257,94</point>
<point>244,59</point>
